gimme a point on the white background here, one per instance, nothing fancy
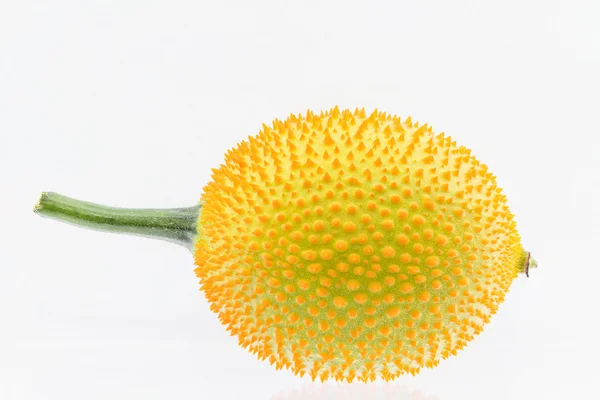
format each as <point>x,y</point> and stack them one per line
<point>131,103</point>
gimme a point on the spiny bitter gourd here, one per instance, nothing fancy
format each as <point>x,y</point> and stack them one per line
<point>341,245</point>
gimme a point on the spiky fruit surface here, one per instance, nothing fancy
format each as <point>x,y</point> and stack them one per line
<point>350,247</point>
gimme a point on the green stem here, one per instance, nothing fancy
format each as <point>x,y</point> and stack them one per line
<point>177,225</point>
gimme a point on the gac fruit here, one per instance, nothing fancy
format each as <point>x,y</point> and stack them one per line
<point>351,246</point>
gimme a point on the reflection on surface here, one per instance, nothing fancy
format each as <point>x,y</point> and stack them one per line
<point>355,391</point>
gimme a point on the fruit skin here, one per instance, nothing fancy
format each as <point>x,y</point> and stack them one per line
<point>350,247</point>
